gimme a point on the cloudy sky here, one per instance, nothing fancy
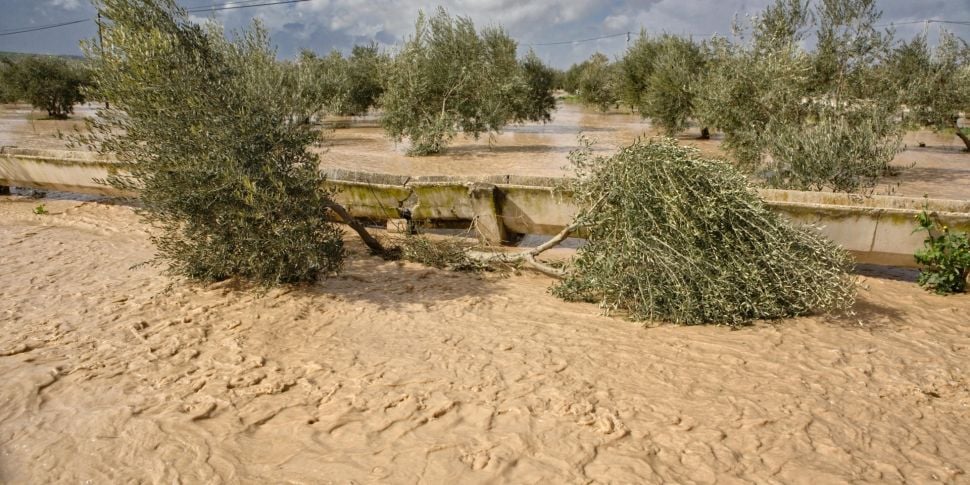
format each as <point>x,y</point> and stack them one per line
<point>322,25</point>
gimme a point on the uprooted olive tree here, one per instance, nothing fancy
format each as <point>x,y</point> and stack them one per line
<point>678,237</point>
<point>213,135</point>
<point>673,236</point>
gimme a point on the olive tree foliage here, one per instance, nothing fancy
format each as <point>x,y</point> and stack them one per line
<point>212,134</point>
<point>678,237</point>
<point>51,83</point>
<point>659,77</point>
<point>450,78</point>
<point>569,81</point>
<point>536,103</point>
<point>597,82</point>
<point>935,83</point>
<point>348,86</point>
<point>806,119</point>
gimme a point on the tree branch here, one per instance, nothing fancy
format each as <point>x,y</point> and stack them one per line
<point>375,246</point>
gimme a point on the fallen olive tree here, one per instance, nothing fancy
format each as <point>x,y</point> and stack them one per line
<point>673,236</point>
<point>678,237</point>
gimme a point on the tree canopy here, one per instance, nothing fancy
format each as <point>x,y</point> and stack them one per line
<point>51,83</point>
<point>212,134</point>
<point>450,78</point>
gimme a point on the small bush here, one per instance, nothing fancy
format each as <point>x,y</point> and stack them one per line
<point>945,257</point>
<point>677,237</point>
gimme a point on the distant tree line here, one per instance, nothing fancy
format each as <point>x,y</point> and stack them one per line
<point>827,117</point>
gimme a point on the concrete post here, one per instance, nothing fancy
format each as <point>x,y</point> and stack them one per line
<point>487,220</point>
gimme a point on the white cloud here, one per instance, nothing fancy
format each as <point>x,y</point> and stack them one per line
<point>322,25</point>
<point>66,4</point>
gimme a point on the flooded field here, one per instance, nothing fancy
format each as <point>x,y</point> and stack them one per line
<point>394,372</point>
<point>940,169</point>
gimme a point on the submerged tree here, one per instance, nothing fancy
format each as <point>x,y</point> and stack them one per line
<point>212,135</point>
<point>596,85</point>
<point>678,237</point>
<point>450,78</point>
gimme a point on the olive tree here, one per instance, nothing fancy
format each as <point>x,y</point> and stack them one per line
<point>570,77</point>
<point>659,77</point>
<point>348,86</point>
<point>676,236</point>
<point>597,83</point>
<point>7,91</point>
<point>935,83</point>
<point>537,102</point>
<point>212,134</point>
<point>450,78</point>
<point>51,83</point>
<point>806,119</point>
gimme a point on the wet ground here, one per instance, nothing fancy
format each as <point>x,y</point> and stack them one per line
<point>939,169</point>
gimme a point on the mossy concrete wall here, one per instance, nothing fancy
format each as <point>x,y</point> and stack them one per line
<point>876,229</point>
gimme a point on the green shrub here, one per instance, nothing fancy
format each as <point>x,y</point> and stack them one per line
<point>677,237</point>
<point>945,257</point>
<point>212,133</point>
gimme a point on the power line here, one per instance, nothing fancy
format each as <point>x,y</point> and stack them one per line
<point>928,21</point>
<point>233,7</point>
<point>208,8</point>
<point>577,41</point>
<point>45,27</point>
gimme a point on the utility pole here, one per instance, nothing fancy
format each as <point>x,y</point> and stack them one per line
<point>101,45</point>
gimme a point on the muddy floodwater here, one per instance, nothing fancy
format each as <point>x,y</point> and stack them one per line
<point>939,169</point>
<point>394,372</point>
<point>111,371</point>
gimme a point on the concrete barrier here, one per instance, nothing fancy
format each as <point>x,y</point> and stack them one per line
<point>877,229</point>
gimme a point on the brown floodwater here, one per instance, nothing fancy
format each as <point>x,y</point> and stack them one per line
<point>939,169</point>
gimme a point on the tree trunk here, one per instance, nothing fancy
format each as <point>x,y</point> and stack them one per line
<point>705,133</point>
<point>963,136</point>
<point>375,246</point>
<point>529,257</point>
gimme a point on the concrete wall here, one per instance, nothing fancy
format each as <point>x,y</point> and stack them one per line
<point>876,229</point>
